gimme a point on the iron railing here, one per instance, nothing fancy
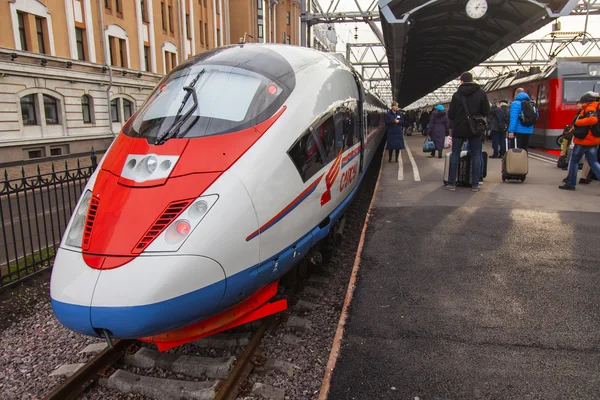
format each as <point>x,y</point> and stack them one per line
<point>34,212</point>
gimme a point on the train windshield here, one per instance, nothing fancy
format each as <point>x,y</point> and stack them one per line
<point>227,99</point>
<point>574,89</point>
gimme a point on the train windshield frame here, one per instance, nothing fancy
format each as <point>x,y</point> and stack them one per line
<point>573,89</point>
<point>230,99</point>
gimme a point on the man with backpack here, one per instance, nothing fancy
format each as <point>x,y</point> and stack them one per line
<point>586,136</point>
<point>499,119</point>
<point>523,116</point>
<point>468,104</point>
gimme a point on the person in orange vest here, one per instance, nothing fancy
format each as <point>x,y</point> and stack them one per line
<point>586,136</point>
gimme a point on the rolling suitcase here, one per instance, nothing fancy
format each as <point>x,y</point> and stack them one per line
<point>463,165</point>
<point>515,164</point>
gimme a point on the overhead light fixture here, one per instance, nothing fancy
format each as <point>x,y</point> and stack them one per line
<point>139,74</point>
<point>104,69</point>
<point>43,62</point>
<point>124,73</point>
<point>14,56</point>
<point>69,64</point>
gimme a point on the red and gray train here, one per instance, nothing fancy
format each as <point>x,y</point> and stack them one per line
<point>556,91</point>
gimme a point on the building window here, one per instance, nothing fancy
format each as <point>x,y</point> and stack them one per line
<point>127,109</point>
<point>80,44</point>
<point>261,33</point>
<point>123,53</point>
<point>51,110</point>
<point>173,60</point>
<point>37,153</point>
<point>218,37</point>
<point>114,111</point>
<point>147,57</point>
<point>107,4</point>
<point>118,6</point>
<point>111,50</point>
<point>287,39</point>
<point>171,19</point>
<point>283,37</point>
<point>187,26</point>
<point>28,110</point>
<point>144,13</point>
<point>287,18</point>
<point>204,3</point>
<point>206,35</point>
<point>201,33</point>
<point>39,26</point>
<point>162,14</point>
<point>22,35</point>
<point>218,4</point>
<point>86,109</point>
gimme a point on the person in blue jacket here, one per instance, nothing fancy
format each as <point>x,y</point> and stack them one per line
<point>515,128</point>
<point>395,128</point>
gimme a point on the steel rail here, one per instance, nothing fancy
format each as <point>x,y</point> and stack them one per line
<point>81,380</point>
<point>230,387</point>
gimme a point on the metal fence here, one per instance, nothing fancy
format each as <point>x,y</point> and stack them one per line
<point>35,211</point>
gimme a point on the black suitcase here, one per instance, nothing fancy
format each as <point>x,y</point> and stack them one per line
<point>464,169</point>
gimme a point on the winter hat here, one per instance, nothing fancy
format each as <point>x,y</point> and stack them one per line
<point>588,97</point>
<point>440,107</point>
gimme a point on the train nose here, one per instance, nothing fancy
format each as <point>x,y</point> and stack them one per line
<point>156,294</point>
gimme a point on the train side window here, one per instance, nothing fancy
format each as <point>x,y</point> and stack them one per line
<point>306,156</point>
<point>326,132</point>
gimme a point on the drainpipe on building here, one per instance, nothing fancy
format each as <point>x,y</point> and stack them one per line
<point>110,73</point>
<point>182,33</point>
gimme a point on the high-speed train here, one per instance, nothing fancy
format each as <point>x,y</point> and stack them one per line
<point>239,162</point>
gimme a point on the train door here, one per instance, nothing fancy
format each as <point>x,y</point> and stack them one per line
<point>362,121</point>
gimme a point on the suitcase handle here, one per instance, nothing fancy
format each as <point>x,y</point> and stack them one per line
<point>515,139</point>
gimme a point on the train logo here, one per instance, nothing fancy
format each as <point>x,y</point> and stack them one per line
<point>331,177</point>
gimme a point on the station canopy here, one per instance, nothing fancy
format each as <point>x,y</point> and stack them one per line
<point>429,43</point>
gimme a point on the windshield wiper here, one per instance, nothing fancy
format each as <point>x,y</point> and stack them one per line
<point>173,130</point>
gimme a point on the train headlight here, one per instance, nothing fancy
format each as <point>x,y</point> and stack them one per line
<point>150,164</point>
<point>75,233</point>
<point>594,69</point>
<point>181,228</point>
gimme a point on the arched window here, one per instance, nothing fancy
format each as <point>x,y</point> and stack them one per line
<point>51,110</point>
<point>114,111</point>
<point>28,110</point>
<point>86,109</point>
<point>127,109</point>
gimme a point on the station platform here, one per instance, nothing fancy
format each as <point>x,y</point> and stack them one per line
<point>463,295</point>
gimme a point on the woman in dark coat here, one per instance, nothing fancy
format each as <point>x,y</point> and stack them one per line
<point>395,126</point>
<point>438,128</point>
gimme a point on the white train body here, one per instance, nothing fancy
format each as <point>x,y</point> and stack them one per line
<point>246,204</point>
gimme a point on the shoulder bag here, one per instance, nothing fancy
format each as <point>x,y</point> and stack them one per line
<point>477,125</point>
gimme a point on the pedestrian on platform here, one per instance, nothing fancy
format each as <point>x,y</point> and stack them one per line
<point>478,105</point>
<point>515,126</point>
<point>499,120</point>
<point>424,119</point>
<point>395,126</point>
<point>585,139</point>
<point>438,129</point>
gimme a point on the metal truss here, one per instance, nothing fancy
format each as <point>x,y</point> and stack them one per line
<point>587,7</point>
<point>317,14</point>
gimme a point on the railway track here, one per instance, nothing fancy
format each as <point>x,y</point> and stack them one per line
<point>217,378</point>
